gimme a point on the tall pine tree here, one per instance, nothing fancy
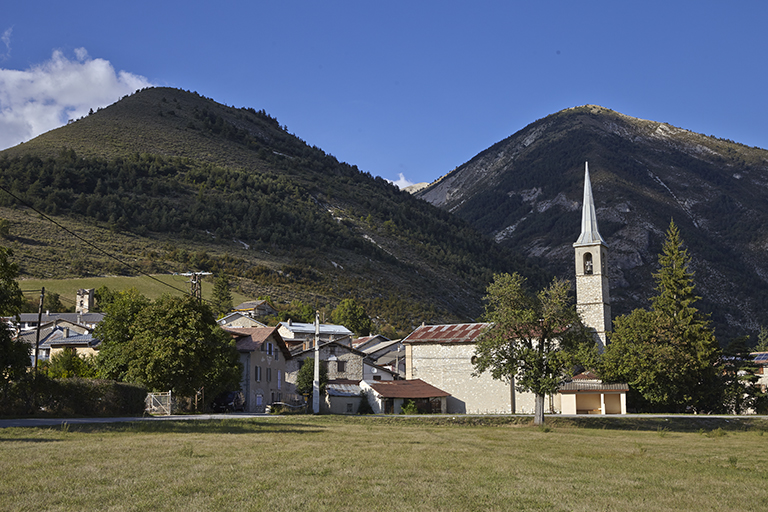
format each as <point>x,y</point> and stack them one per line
<point>668,355</point>
<point>221,301</point>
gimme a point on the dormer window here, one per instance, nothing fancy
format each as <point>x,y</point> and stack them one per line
<point>588,263</point>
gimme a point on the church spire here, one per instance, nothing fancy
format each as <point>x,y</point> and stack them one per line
<point>589,232</point>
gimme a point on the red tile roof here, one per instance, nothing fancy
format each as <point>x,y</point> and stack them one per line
<point>415,388</point>
<point>447,333</point>
<point>250,339</point>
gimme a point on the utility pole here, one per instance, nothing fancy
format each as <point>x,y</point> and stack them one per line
<point>39,321</point>
<point>196,281</point>
<point>316,380</point>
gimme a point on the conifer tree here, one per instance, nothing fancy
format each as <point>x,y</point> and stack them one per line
<point>668,355</point>
<point>222,297</point>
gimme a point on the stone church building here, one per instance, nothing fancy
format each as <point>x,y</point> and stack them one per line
<point>442,355</point>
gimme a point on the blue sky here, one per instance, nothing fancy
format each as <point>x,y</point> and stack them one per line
<point>396,88</point>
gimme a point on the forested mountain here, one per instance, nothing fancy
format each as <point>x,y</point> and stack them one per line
<point>167,180</point>
<point>526,193</point>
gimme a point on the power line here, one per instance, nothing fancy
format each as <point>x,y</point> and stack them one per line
<point>89,243</point>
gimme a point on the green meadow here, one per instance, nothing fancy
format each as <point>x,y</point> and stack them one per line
<point>151,286</point>
<point>387,463</point>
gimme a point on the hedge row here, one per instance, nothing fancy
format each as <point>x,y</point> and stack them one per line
<point>72,397</point>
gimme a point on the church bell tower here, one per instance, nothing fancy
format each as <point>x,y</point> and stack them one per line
<point>593,301</point>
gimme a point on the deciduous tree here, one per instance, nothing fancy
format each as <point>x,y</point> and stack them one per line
<point>535,340</point>
<point>352,315</point>
<point>14,355</point>
<point>306,377</point>
<point>116,333</point>
<point>177,345</point>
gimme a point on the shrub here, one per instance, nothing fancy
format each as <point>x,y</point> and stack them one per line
<point>365,404</point>
<point>74,397</point>
<point>409,407</point>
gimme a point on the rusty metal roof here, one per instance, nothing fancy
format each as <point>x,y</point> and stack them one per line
<point>415,388</point>
<point>446,333</point>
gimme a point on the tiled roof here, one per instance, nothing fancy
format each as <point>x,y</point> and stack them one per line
<point>250,339</point>
<point>586,376</point>
<point>415,388</point>
<point>75,318</point>
<point>447,333</point>
<point>247,306</point>
<point>576,386</point>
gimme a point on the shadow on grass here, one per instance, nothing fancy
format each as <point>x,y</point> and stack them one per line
<point>225,426</point>
<point>655,424</point>
<point>669,423</point>
<point>27,440</point>
<point>190,426</point>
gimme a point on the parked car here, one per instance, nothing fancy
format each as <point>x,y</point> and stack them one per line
<point>229,401</point>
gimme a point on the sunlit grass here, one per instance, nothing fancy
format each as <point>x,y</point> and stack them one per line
<point>327,463</point>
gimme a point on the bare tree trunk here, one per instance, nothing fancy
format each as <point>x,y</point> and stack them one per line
<point>538,411</point>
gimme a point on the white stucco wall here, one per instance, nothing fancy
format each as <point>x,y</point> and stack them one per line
<point>449,367</point>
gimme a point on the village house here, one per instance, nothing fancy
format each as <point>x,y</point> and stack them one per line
<point>237,319</point>
<point>298,334</point>
<point>56,336</point>
<point>263,355</point>
<point>28,321</point>
<point>761,360</point>
<point>346,368</point>
<point>255,309</point>
<point>389,397</point>
<point>384,352</point>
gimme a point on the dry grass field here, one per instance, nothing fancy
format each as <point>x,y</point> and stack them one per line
<point>374,463</point>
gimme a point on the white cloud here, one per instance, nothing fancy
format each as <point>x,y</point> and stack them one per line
<point>401,182</point>
<point>47,95</point>
<point>6,39</point>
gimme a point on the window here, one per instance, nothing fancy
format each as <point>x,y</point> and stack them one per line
<point>259,400</point>
<point>269,374</point>
<point>587,263</point>
<point>349,408</point>
<point>279,379</point>
<point>277,353</point>
<point>341,366</point>
<point>269,348</point>
<point>377,377</point>
<point>257,373</point>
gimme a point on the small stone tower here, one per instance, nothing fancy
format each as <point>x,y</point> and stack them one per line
<point>593,300</point>
<point>84,300</point>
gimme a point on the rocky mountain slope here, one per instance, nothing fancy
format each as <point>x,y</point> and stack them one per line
<point>525,192</point>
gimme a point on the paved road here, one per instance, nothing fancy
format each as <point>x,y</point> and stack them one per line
<point>52,422</point>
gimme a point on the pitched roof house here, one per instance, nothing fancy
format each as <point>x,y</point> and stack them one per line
<point>255,308</point>
<point>388,397</point>
<point>301,334</point>
<point>263,355</point>
<point>442,356</point>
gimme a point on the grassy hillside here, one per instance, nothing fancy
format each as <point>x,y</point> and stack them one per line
<point>166,180</point>
<point>151,286</point>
